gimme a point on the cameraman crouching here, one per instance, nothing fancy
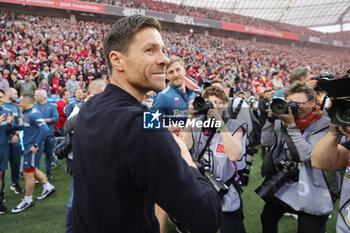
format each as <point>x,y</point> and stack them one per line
<point>329,155</point>
<point>220,148</point>
<point>291,184</point>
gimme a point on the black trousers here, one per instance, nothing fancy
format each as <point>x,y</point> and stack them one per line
<point>274,210</point>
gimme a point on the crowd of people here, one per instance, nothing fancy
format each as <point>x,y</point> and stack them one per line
<point>52,53</point>
<point>226,17</point>
<point>49,56</point>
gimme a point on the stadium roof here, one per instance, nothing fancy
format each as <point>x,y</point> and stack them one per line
<point>308,13</point>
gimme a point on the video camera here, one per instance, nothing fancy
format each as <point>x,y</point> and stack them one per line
<point>323,77</point>
<point>288,171</point>
<point>338,90</point>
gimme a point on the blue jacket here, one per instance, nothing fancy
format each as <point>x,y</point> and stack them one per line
<point>49,111</point>
<point>35,128</point>
<point>172,101</point>
<point>71,106</point>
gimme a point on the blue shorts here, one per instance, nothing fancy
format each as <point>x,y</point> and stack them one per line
<point>31,160</point>
<point>4,159</point>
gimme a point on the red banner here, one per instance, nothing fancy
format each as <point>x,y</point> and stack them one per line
<point>66,4</point>
<point>260,31</point>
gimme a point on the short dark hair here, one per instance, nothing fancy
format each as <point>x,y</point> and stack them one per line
<point>29,97</point>
<point>300,87</point>
<point>2,91</point>
<point>121,34</point>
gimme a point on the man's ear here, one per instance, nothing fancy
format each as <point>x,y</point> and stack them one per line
<point>117,60</point>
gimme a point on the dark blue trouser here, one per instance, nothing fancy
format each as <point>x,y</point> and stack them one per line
<point>15,161</point>
<point>49,156</point>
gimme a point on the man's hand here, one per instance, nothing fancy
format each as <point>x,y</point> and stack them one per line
<point>286,118</point>
<point>34,149</point>
<point>214,113</point>
<point>14,139</point>
<point>2,117</point>
<point>175,130</point>
<point>9,119</point>
<point>311,82</point>
<point>345,130</point>
<point>184,151</point>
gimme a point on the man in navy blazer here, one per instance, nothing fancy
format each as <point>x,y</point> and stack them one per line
<point>121,169</point>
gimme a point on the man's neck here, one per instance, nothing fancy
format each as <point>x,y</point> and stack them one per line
<point>8,101</point>
<point>29,107</point>
<point>42,102</point>
<point>182,88</point>
<point>119,82</point>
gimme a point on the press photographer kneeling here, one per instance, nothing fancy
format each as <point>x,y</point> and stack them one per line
<point>291,184</point>
<point>333,154</point>
<point>218,149</point>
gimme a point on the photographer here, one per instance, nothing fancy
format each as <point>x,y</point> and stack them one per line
<point>332,152</point>
<point>222,153</point>
<point>329,155</point>
<point>291,184</point>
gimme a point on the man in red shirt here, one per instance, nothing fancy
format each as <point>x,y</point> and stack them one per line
<point>61,108</point>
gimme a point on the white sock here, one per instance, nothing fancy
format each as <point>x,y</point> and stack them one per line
<point>47,186</point>
<point>28,199</point>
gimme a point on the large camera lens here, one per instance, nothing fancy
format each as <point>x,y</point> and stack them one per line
<point>202,105</point>
<point>279,106</point>
<point>198,103</point>
<point>340,112</point>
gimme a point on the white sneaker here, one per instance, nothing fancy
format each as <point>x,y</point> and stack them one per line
<point>46,193</point>
<point>22,206</point>
<point>293,216</point>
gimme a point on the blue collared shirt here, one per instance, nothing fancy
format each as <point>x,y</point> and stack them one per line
<point>173,101</point>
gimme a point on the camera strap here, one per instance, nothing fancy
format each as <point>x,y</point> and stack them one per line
<point>294,154</point>
<point>206,145</point>
<point>234,180</point>
<point>323,102</point>
<point>234,114</point>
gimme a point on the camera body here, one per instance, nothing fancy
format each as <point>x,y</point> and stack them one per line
<point>280,106</point>
<point>202,105</point>
<point>288,171</point>
<point>338,90</point>
<point>219,186</point>
<point>64,151</point>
